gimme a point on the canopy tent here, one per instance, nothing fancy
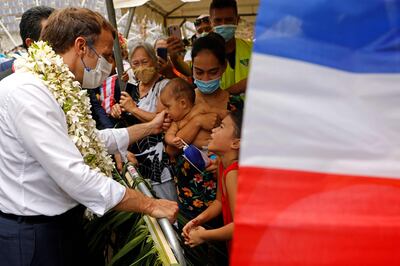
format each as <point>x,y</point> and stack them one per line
<point>149,15</point>
<point>178,11</point>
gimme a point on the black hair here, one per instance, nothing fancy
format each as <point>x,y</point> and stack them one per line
<point>237,118</point>
<point>180,88</point>
<point>212,42</point>
<point>31,22</point>
<point>218,4</point>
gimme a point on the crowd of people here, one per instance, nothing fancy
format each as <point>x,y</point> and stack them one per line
<point>184,99</point>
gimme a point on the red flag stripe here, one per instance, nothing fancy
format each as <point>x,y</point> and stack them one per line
<point>315,219</point>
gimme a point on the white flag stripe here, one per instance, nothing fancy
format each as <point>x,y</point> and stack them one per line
<point>308,117</point>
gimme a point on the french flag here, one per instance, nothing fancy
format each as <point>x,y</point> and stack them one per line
<point>320,153</point>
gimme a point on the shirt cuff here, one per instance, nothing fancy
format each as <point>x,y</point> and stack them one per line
<point>115,140</point>
<point>122,137</point>
<point>113,193</point>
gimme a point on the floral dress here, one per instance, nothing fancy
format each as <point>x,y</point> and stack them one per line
<point>196,191</point>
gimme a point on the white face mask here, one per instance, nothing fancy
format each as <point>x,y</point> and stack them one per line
<point>93,78</point>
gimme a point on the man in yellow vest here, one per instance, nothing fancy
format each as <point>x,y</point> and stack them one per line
<point>224,19</point>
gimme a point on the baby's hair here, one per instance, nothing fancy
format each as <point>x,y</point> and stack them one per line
<point>237,118</point>
<point>179,88</point>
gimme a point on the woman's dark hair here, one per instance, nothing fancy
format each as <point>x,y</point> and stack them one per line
<point>237,118</point>
<point>212,42</point>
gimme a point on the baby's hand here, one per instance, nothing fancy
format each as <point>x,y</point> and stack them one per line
<point>177,142</point>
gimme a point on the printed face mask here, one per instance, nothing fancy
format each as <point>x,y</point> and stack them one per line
<point>145,74</point>
<point>226,31</point>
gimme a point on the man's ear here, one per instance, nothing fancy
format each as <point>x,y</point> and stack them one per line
<point>235,144</point>
<point>28,42</point>
<point>80,46</point>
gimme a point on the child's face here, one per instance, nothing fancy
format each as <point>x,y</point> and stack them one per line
<point>222,137</point>
<point>173,107</point>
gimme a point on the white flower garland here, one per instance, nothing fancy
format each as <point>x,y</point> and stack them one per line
<point>45,64</point>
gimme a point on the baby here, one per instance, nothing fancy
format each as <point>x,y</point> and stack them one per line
<point>178,97</point>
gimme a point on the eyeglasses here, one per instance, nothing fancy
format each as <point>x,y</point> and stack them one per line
<point>198,22</point>
<point>108,57</point>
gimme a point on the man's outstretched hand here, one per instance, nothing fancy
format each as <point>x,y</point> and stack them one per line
<point>160,123</point>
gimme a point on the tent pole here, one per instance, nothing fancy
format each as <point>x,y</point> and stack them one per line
<point>8,33</point>
<point>129,21</point>
<point>117,48</point>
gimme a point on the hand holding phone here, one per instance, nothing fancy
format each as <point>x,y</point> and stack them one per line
<point>175,30</point>
<point>162,52</point>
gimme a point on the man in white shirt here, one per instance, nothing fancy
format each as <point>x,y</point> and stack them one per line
<point>43,177</point>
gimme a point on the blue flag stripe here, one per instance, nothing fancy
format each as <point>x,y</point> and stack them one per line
<point>353,35</point>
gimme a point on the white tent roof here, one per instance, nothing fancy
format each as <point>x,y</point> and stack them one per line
<point>176,11</point>
<point>161,12</point>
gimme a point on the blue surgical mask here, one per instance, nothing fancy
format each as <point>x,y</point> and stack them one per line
<point>226,31</point>
<point>207,87</point>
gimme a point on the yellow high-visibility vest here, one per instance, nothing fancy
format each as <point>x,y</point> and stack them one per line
<point>242,64</point>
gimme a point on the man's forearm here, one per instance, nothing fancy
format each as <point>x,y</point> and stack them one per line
<point>181,65</point>
<point>239,87</point>
<point>135,201</point>
<point>139,131</point>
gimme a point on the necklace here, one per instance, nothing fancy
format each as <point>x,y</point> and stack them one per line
<point>46,65</point>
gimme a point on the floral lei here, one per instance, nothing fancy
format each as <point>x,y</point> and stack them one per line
<point>45,64</point>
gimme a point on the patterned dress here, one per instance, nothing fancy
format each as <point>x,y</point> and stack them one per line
<point>196,191</point>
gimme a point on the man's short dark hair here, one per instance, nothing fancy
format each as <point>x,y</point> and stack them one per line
<point>31,22</point>
<point>218,4</point>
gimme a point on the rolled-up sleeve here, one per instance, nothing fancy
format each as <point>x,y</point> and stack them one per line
<point>41,128</point>
<point>115,140</point>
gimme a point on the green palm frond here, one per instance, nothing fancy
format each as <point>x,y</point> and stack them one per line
<point>123,238</point>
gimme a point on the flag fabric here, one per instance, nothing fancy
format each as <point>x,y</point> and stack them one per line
<point>320,152</point>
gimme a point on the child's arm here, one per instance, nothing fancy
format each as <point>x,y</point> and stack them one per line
<point>199,234</point>
<point>211,212</point>
<point>231,189</point>
<point>170,139</point>
<point>171,134</point>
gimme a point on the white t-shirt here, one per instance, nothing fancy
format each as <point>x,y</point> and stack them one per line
<point>41,170</point>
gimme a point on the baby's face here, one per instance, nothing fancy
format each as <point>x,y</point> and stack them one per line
<point>172,106</point>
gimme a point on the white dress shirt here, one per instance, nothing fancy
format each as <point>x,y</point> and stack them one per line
<point>41,170</point>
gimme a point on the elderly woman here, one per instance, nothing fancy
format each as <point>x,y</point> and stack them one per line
<point>140,104</point>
